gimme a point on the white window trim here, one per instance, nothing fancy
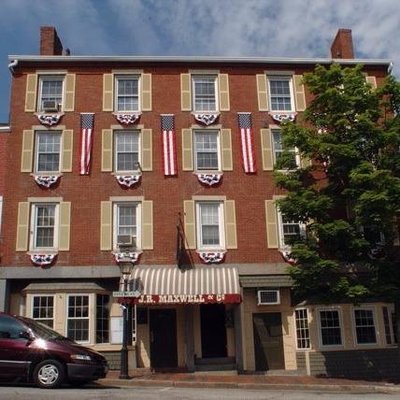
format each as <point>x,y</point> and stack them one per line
<point>193,77</point>
<point>114,138</point>
<point>330,346</point>
<point>33,227</point>
<point>295,149</point>
<point>138,205</point>
<point>91,316</point>
<point>282,244</point>
<point>33,295</point>
<point>221,207</point>
<point>280,77</point>
<point>36,150</point>
<point>56,76</point>
<point>219,154</point>
<point>374,318</point>
<point>133,75</point>
<point>309,331</point>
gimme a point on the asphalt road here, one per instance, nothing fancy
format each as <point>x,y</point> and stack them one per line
<point>170,393</point>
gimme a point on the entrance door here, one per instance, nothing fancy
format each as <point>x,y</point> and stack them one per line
<point>268,341</point>
<point>163,347</point>
<point>213,331</point>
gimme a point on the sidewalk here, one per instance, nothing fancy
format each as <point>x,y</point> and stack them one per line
<point>231,380</point>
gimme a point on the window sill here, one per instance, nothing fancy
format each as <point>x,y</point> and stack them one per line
<point>211,256</point>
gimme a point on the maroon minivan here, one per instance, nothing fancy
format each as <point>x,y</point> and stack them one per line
<point>32,352</point>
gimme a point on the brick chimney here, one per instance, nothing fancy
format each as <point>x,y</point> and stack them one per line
<point>50,43</point>
<point>342,46</point>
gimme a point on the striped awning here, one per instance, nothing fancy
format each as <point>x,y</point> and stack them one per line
<point>200,284</point>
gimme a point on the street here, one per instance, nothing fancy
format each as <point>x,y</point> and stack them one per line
<point>170,393</point>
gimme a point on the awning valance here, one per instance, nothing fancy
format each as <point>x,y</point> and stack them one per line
<point>198,285</point>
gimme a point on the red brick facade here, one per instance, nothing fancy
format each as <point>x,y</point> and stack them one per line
<point>255,258</point>
<point>168,193</point>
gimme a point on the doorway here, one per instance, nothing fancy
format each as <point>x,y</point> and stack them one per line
<point>163,346</point>
<point>268,341</point>
<point>213,331</point>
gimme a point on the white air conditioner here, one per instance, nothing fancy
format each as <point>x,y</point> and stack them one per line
<point>268,297</point>
<point>49,105</point>
<point>126,241</point>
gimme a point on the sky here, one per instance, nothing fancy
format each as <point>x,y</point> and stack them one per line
<point>231,28</point>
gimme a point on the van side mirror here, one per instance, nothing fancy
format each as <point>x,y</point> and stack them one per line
<point>28,335</point>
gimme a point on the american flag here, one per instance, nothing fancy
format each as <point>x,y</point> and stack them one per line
<point>86,143</point>
<point>246,139</point>
<point>169,146</point>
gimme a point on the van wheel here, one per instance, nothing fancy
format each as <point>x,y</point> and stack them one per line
<point>49,374</point>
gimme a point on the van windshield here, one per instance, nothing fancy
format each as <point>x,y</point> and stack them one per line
<point>43,331</point>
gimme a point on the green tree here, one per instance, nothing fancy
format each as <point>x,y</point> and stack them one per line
<point>349,196</point>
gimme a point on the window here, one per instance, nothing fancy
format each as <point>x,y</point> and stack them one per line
<point>47,152</point>
<point>50,92</point>
<point>207,150</point>
<point>291,158</point>
<point>126,93</point>
<point>126,151</point>
<point>290,231</point>
<point>330,328</point>
<point>204,93</point>
<point>302,329</point>
<point>78,318</point>
<point>210,225</point>
<point>364,326</point>
<point>10,328</point>
<point>43,310</point>
<point>44,223</point>
<point>126,221</point>
<point>280,93</point>
<point>102,318</point>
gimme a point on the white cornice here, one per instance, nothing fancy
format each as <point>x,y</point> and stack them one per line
<point>194,59</point>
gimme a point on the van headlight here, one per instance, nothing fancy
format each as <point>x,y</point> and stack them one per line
<point>80,357</point>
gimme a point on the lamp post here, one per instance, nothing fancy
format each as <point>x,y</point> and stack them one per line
<point>126,269</point>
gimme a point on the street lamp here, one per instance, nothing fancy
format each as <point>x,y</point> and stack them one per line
<point>126,269</point>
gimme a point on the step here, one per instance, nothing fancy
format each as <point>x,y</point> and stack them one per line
<point>215,367</point>
<point>215,361</point>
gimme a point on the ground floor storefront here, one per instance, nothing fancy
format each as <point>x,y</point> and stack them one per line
<point>206,318</point>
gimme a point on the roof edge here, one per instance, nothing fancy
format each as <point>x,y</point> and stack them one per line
<point>189,59</point>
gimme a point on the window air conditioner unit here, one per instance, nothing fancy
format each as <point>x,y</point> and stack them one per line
<point>126,242</point>
<point>268,297</point>
<point>50,105</point>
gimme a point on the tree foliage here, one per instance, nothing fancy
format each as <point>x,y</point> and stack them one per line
<point>349,196</point>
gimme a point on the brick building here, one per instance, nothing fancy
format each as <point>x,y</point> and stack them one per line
<point>166,163</point>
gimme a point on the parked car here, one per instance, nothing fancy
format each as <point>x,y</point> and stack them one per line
<point>32,352</point>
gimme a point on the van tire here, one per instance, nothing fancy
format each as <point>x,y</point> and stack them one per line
<point>49,374</point>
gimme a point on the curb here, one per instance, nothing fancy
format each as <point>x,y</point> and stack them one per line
<point>340,388</point>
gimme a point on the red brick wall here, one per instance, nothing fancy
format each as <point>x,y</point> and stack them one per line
<point>3,164</point>
<point>168,194</point>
